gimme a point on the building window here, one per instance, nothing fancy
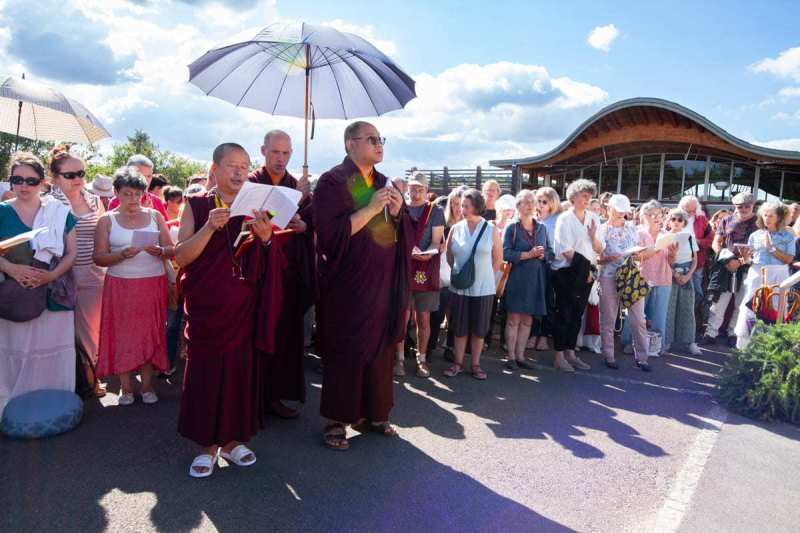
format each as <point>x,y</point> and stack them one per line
<point>608,183</point>
<point>694,178</point>
<point>791,187</point>
<point>592,173</point>
<point>719,181</point>
<point>769,185</point>
<point>650,172</point>
<point>673,178</point>
<point>630,177</point>
<point>743,179</point>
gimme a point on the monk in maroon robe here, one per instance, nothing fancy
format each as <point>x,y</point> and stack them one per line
<point>364,243</point>
<point>221,284</point>
<point>283,377</point>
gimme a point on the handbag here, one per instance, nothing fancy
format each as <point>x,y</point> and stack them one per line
<point>18,304</point>
<point>631,285</point>
<point>465,278</point>
<point>501,285</point>
<point>426,273</point>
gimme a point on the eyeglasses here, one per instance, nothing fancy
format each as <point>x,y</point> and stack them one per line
<point>19,180</point>
<point>744,206</point>
<point>542,202</point>
<point>677,219</point>
<point>374,141</point>
<point>72,175</point>
<point>131,194</point>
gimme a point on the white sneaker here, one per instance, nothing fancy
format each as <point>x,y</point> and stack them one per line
<point>149,397</point>
<point>399,369</point>
<point>694,349</point>
<point>628,349</point>
<point>126,398</point>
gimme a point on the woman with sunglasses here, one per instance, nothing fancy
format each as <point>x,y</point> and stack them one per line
<point>683,256</point>
<point>548,208</point>
<point>68,173</point>
<point>38,353</point>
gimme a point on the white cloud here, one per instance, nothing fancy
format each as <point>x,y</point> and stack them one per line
<point>781,144</point>
<point>790,92</point>
<point>602,37</point>
<point>786,65</point>
<point>463,116</point>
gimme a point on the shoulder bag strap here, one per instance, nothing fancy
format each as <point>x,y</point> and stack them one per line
<point>475,246</point>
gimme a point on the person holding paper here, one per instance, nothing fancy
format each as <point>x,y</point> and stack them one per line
<point>133,242</point>
<point>364,242</point>
<point>733,230</point>
<point>655,267</point>
<point>683,256</point>
<point>230,294</point>
<point>38,353</point>
<point>283,375</point>
<point>618,235</point>
<point>527,247</point>
<point>427,221</point>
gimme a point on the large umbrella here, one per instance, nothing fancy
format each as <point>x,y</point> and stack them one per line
<point>40,113</point>
<point>304,71</point>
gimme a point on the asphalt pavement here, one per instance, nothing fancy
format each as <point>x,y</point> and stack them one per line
<point>535,450</point>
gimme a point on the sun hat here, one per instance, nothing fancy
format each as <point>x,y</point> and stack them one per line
<point>505,202</point>
<point>620,203</point>
<point>418,178</point>
<point>102,186</point>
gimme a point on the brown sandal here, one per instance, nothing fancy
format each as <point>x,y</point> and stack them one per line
<point>478,373</point>
<point>335,435</point>
<point>384,428</point>
<point>452,370</point>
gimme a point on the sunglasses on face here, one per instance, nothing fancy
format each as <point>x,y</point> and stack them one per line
<point>542,202</point>
<point>72,175</point>
<point>374,141</point>
<point>676,219</point>
<point>19,180</point>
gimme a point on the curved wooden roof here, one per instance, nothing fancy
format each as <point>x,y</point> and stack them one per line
<point>639,125</point>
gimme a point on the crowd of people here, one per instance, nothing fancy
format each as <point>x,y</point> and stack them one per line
<point>129,272</point>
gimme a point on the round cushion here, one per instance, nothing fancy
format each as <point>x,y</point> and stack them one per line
<point>41,413</point>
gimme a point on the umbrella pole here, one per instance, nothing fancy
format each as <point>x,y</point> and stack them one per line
<point>19,118</point>
<point>305,144</point>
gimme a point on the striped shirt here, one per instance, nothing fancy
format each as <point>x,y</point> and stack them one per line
<point>85,228</point>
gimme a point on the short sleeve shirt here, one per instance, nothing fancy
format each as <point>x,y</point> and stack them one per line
<point>435,220</point>
<point>783,240</point>
<point>736,231</point>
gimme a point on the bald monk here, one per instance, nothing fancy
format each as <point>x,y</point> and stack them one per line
<point>219,405</point>
<point>283,377</point>
<point>364,242</point>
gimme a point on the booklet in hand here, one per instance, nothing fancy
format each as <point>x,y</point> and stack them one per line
<point>143,239</point>
<point>21,238</point>
<point>280,202</point>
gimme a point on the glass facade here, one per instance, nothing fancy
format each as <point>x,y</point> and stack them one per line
<point>641,179</point>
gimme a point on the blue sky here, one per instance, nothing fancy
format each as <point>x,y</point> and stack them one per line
<point>495,79</point>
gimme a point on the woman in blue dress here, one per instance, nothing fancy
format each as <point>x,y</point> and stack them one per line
<point>527,247</point>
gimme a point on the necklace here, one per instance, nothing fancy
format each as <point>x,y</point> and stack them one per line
<point>236,265</point>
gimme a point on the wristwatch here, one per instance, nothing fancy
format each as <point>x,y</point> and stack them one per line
<point>772,250</point>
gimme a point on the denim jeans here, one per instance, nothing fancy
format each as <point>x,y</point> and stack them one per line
<point>656,305</point>
<point>174,319</point>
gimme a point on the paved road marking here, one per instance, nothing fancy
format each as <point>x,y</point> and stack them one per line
<point>629,381</point>
<point>679,500</point>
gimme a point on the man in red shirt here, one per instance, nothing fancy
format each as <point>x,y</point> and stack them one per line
<point>145,166</point>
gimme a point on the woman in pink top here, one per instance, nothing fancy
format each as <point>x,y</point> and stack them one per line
<point>655,268</point>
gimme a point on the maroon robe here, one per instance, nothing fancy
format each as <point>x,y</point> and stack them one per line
<point>221,392</point>
<point>363,295</point>
<point>283,377</point>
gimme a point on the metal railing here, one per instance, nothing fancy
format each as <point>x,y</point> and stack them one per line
<point>443,180</point>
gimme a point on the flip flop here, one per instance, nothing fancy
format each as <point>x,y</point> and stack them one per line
<point>237,454</point>
<point>203,461</point>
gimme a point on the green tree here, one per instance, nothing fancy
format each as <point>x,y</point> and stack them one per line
<point>8,143</point>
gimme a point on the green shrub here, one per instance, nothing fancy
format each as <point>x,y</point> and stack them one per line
<point>764,380</point>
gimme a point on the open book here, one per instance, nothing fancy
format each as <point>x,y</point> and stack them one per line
<point>280,202</point>
<point>21,238</point>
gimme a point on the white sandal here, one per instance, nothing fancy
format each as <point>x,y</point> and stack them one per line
<point>203,461</point>
<point>237,454</point>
